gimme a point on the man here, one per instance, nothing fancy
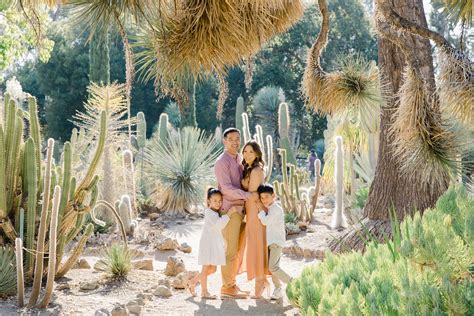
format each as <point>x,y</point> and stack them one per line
<point>228,171</point>
<point>311,159</point>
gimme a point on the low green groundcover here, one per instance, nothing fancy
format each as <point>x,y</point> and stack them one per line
<point>430,272</point>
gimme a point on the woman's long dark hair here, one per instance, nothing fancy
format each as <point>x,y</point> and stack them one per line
<point>258,162</point>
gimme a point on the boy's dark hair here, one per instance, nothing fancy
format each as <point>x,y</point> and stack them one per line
<point>212,191</point>
<point>231,130</point>
<point>265,188</point>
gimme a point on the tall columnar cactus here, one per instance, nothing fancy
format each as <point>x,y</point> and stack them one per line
<point>283,127</point>
<point>163,128</point>
<point>317,184</point>
<point>246,127</point>
<point>269,156</point>
<point>338,217</point>
<point>141,142</point>
<point>239,110</point>
<point>19,272</point>
<point>125,212</point>
<point>53,230</point>
<point>38,275</point>
<point>129,177</point>
<point>32,187</point>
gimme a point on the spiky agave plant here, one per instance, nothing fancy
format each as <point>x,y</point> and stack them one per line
<point>182,167</point>
<point>265,106</point>
<point>7,271</point>
<point>116,260</point>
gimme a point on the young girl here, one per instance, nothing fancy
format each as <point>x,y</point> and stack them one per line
<point>212,244</point>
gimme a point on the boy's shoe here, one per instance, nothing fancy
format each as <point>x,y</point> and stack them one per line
<point>277,293</point>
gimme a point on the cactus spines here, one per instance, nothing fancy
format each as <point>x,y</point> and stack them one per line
<point>38,274</point>
<point>246,127</point>
<point>163,128</point>
<point>30,175</point>
<point>141,130</point>
<point>129,176</point>
<point>317,184</point>
<point>239,110</point>
<point>283,127</point>
<point>19,272</point>
<point>269,160</point>
<point>125,212</point>
<point>338,218</point>
<point>35,134</point>
<point>52,247</point>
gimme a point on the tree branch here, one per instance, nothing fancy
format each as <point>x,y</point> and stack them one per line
<point>322,40</point>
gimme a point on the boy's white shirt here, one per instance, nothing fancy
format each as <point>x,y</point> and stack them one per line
<point>275,223</point>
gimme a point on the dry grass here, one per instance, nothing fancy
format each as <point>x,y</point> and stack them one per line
<point>423,142</point>
<point>456,86</point>
<point>210,35</point>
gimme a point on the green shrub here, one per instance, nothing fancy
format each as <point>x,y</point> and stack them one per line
<point>432,275</point>
<point>291,218</point>
<point>7,271</point>
<point>360,198</point>
<point>117,261</point>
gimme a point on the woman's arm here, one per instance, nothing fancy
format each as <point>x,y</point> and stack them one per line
<point>256,179</point>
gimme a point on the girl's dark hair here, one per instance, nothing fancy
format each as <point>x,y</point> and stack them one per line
<point>258,162</point>
<point>212,191</point>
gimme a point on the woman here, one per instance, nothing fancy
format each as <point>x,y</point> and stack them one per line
<point>255,257</point>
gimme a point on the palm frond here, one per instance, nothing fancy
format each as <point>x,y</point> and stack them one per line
<point>182,167</point>
<point>456,85</point>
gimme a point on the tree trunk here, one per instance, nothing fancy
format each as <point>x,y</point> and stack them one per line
<point>390,189</point>
<point>188,111</point>
<point>99,59</point>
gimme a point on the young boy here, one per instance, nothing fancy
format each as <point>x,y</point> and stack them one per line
<point>274,220</point>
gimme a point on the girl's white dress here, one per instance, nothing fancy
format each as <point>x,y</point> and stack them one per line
<point>212,244</point>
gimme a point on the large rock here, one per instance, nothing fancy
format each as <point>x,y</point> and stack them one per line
<point>119,310</point>
<point>180,281</point>
<point>145,264</point>
<point>83,264</point>
<point>162,291</point>
<point>135,306</point>
<point>184,247</point>
<point>174,266</point>
<point>102,312</point>
<point>88,286</point>
<point>153,216</point>
<point>167,244</point>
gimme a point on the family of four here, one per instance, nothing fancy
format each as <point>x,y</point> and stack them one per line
<point>244,229</point>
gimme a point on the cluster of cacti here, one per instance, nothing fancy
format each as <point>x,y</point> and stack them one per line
<point>338,217</point>
<point>267,151</point>
<point>26,183</point>
<point>266,144</point>
<point>293,201</point>
<point>425,270</point>
<point>283,127</point>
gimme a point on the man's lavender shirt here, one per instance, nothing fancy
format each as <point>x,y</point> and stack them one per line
<point>228,171</point>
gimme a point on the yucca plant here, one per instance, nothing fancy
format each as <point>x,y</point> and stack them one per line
<point>182,168</point>
<point>117,261</point>
<point>7,271</point>
<point>174,116</point>
<point>265,109</point>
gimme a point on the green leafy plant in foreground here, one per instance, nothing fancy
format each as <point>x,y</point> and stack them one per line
<point>117,261</point>
<point>7,271</point>
<point>426,270</point>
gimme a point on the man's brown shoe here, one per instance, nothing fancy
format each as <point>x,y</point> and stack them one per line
<point>233,292</point>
